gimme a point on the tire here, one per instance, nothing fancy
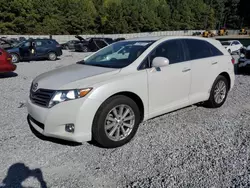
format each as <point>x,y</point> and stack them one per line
<point>15,58</point>
<point>229,51</point>
<point>212,101</point>
<point>102,127</point>
<point>85,49</point>
<point>52,56</point>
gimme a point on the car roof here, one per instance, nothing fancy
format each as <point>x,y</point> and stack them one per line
<point>157,38</point>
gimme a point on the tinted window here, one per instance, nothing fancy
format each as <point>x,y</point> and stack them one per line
<point>226,43</point>
<point>26,44</point>
<point>199,49</point>
<point>171,49</point>
<point>100,43</point>
<point>235,43</point>
<point>41,43</point>
<point>49,42</point>
<point>214,51</point>
<point>38,43</point>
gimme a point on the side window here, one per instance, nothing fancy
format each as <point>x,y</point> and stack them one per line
<point>38,43</point>
<point>214,51</point>
<point>27,44</point>
<point>49,42</point>
<point>198,49</point>
<point>100,43</point>
<point>236,43</point>
<point>171,49</point>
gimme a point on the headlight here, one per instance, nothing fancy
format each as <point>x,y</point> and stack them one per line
<point>66,95</point>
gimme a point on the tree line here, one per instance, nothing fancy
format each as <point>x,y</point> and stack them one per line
<point>119,16</point>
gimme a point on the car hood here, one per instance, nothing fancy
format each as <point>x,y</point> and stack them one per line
<point>80,38</point>
<point>67,77</point>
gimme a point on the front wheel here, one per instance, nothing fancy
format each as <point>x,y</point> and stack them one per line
<point>52,56</point>
<point>85,49</point>
<point>15,58</point>
<point>116,122</point>
<point>218,92</point>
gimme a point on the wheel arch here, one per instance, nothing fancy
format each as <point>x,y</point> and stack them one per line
<point>18,55</point>
<point>135,98</point>
<point>226,75</point>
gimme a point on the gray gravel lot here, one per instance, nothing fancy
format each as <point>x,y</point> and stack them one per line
<point>191,147</point>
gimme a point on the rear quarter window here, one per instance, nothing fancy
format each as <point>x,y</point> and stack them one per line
<point>199,49</point>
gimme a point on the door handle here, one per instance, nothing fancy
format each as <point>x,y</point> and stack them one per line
<point>186,70</point>
<point>214,63</point>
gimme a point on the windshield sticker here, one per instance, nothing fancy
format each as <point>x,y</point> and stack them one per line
<point>141,44</point>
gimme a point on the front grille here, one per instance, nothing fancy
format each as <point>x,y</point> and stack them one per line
<point>41,97</point>
<point>248,54</point>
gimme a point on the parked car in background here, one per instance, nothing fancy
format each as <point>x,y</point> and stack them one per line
<point>92,44</point>
<point>70,45</point>
<point>6,64</point>
<point>197,33</point>
<point>232,46</point>
<point>244,61</point>
<point>34,49</point>
<point>109,93</point>
<point>119,39</point>
<point>7,43</point>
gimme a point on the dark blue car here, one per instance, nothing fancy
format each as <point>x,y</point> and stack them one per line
<point>34,49</point>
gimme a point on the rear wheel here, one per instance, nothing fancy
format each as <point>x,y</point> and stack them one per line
<point>52,56</point>
<point>116,122</point>
<point>218,92</point>
<point>15,58</point>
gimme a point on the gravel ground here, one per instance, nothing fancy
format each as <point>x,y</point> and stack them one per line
<point>191,147</point>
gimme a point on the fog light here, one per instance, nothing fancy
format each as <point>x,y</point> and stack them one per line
<point>70,128</point>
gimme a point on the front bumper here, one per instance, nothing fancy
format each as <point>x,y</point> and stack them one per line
<point>51,122</point>
<point>7,67</point>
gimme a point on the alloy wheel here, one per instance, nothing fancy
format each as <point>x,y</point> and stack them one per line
<point>220,92</point>
<point>119,122</point>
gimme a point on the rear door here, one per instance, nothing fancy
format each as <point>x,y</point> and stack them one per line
<point>25,50</point>
<point>204,58</point>
<point>41,48</point>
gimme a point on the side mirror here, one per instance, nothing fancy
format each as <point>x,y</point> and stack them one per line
<point>160,62</point>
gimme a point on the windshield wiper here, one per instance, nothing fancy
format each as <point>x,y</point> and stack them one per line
<point>101,65</point>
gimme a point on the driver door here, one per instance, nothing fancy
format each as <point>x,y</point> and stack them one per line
<point>169,86</point>
<point>25,50</point>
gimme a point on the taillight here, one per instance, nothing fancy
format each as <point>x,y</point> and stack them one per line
<point>233,61</point>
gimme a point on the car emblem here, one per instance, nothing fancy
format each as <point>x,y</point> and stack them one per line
<point>34,87</point>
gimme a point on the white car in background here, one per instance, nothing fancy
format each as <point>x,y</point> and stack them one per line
<point>232,46</point>
<point>107,95</point>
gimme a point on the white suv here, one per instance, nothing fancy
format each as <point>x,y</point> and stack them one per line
<point>107,95</point>
<point>232,46</point>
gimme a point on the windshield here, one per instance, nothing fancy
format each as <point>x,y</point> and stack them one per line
<point>118,55</point>
<point>18,44</point>
<point>225,43</point>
